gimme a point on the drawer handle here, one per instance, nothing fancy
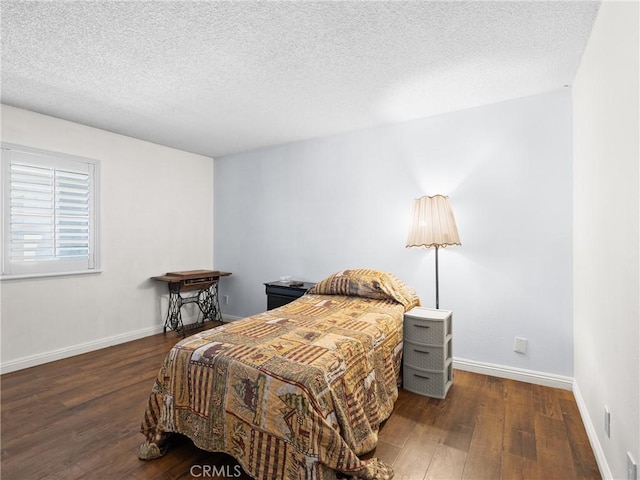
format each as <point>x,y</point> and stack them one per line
<point>420,325</point>
<point>421,351</point>
<point>420,376</point>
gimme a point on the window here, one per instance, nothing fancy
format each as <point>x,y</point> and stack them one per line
<point>49,213</point>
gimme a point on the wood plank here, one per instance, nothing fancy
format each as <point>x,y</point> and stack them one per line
<point>416,455</point>
<point>515,467</point>
<point>459,420</point>
<point>583,458</point>
<point>397,428</point>
<point>491,398</point>
<point>520,438</point>
<point>447,462</point>
<point>552,443</point>
<point>546,401</point>
<point>484,458</point>
<point>384,451</point>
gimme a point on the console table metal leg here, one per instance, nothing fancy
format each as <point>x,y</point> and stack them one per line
<point>205,302</point>
<point>174,317</point>
<point>208,301</point>
<point>215,303</point>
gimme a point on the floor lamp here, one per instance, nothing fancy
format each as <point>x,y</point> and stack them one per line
<point>433,225</point>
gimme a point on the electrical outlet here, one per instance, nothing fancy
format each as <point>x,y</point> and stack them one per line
<point>607,421</point>
<point>225,299</point>
<point>520,345</point>
<point>632,468</point>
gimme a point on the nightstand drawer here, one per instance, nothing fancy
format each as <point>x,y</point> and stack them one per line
<point>282,293</point>
<point>426,357</point>
<point>426,331</point>
<point>428,382</point>
<point>285,290</point>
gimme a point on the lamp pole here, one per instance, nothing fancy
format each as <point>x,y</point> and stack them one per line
<point>437,288</point>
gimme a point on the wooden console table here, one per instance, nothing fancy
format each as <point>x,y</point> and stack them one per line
<point>206,283</point>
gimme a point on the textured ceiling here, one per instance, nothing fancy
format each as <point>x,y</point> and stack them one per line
<point>223,77</point>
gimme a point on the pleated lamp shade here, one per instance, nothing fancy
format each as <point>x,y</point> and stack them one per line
<point>433,223</point>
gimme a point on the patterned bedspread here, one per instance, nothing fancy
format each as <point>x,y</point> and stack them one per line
<point>295,392</point>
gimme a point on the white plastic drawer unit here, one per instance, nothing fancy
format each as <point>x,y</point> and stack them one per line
<point>428,352</point>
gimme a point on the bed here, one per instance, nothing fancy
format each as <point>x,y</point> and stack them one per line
<point>295,392</point>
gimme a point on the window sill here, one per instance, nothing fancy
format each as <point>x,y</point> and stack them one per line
<point>7,278</point>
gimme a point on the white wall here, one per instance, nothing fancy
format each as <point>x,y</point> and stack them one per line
<point>606,238</point>
<point>156,215</point>
<point>311,208</point>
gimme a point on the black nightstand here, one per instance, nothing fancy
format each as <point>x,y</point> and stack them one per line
<point>281,293</point>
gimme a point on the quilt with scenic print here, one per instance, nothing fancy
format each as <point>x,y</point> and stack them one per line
<point>295,392</point>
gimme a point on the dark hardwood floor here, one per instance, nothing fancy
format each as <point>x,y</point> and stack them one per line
<point>79,418</point>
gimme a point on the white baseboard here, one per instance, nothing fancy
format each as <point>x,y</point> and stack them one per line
<point>513,373</point>
<point>230,318</point>
<point>601,459</point>
<point>46,357</point>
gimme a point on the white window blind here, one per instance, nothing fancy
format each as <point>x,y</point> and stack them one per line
<point>49,214</point>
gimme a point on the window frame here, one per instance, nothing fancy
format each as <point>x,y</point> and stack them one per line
<point>50,160</point>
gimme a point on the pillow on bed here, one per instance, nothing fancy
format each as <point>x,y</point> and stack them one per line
<point>369,284</point>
